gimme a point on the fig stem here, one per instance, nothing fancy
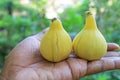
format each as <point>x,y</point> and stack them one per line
<point>54,19</point>
<point>88,13</point>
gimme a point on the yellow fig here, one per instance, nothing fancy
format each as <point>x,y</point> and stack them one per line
<point>56,45</point>
<point>89,43</point>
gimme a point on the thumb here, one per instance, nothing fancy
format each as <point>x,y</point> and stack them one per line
<point>41,34</point>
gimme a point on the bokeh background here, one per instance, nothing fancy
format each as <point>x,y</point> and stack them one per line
<point>22,18</point>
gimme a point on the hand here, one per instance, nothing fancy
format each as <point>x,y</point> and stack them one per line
<point>26,63</point>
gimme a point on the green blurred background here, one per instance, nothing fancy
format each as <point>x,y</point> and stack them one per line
<point>22,18</point>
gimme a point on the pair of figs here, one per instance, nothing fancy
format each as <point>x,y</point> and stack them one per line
<point>89,44</point>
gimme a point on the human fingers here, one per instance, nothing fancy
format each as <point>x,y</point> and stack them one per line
<point>106,63</point>
<point>112,46</point>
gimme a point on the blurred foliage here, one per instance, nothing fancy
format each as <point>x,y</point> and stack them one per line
<point>108,19</point>
<point>73,18</point>
<point>17,21</point>
<point>107,13</point>
<point>29,20</point>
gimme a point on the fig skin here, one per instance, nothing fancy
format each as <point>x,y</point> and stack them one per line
<point>56,45</point>
<point>89,43</point>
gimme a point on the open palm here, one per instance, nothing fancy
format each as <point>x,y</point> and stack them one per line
<point>26,63</point>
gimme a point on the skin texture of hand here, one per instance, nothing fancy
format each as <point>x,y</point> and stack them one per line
<point>26,63</point>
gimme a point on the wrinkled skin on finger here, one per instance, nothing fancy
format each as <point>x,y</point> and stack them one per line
<point>25,62</point>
